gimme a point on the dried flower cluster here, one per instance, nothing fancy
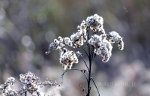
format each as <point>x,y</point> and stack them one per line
<point>6,87</point>
<point>30,83</point>
<point>101,41</point>
<point>68,58</point>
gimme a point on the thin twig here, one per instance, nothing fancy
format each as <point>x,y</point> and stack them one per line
<point>85,62</point>
<point>85,52</point>
<point>95,86</point>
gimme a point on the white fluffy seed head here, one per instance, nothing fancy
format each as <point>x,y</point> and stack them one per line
<point>95,23</point>
<point>67,41</point>
<point>30,82</point>
<point>68,58</point>
<point>94,40</point>
<point>78,39</point>
<point>114,37</point>
<point>104,49</point>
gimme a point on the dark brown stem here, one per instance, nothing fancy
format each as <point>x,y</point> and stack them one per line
<point>90,65</point>
<point>89,74</point>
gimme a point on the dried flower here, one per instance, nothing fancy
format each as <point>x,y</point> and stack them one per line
<point>95,23</point>
<point>104,49</point>
<point>114,37</point>
<point>30,82</point>
<point>68,58</point>
<point>94,40</point>
<point>57,44</point>
<point>6,87</point>
<point>78,39</point>
<point>68,41</point>
<point>11,93</point>
<point>10,81</point>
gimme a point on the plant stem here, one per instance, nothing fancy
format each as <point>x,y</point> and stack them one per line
<point>25,93</point>
<point>90,67</point>
<point>90,64</point>
<point>89,75</point>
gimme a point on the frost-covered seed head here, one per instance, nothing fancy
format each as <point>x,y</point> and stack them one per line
<point>95,23</point>
<point>94,40</point>
<point>114,37</point>
<point>10,81</point>
<point>67,41</point>
<point>68,58</point>
<point>121,44</point>
<point>82,26</point>
<point>11,93</point>
<point>6,87</point>
<point>104,49</point>
<point>30,82</point>
<point>77,39</point>
<point>56,44</point>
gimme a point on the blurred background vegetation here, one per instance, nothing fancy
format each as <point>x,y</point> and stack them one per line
<point>28,26</point>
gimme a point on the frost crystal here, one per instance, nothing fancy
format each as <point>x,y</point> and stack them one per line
<point>68,58</point>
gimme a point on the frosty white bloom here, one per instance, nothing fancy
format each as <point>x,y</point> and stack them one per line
<point>6,87</point>
<point>104,49</point>
<point>10,81</point>
<point>94,40</point>
<point>82,26</point>
<point>121,44</point>
<point>68,58</point>
<point>80,36</point>
<point>30,82</point>
<point>77,39</point>
<point>83,29</point>
<point>114,37</point>
<point>95,23</point>
<point>11,93</point>
<point>57,44</point>
<point>68,41</point>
